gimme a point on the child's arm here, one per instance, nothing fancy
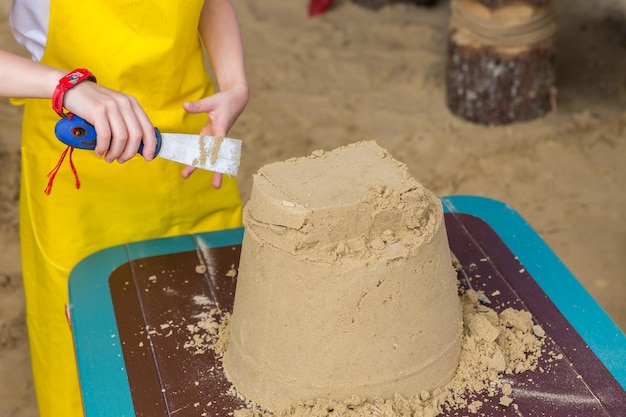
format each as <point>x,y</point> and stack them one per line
<point>220,34</point>
<point>119,120</point>
<point>23,78</point>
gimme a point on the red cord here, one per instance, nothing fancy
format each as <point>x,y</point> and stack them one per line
<point>74,169</point>
<point>52,174</point>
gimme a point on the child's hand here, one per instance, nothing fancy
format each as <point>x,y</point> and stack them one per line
<point>121,123</point>
<point>223,109</point>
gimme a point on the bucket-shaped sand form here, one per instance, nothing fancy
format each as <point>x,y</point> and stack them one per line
<point>345,286</point>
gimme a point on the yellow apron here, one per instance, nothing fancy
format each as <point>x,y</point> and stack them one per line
<point>149,49</point>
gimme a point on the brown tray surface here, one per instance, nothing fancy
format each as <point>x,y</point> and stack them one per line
<point>156,300</point>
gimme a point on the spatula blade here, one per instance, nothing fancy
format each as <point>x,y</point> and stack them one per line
<point>213,153</point>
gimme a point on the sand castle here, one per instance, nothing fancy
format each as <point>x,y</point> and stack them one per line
<point>346,286</point>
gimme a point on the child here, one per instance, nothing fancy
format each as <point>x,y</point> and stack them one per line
<point>147,59</point>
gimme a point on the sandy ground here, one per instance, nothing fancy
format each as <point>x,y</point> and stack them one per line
<point>353,74</point>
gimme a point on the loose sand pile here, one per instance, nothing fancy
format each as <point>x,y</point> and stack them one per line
<point>374,328</point>
<point>493,345</point>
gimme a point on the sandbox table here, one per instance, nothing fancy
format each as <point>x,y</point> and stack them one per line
<point>136,308</point>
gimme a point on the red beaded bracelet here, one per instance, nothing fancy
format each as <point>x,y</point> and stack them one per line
<point>68,81</point>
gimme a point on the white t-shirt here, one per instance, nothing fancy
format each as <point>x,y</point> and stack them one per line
<point>29,23</point>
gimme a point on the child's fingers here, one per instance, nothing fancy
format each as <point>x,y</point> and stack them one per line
<point>217,180</point>
<point>187,171</point>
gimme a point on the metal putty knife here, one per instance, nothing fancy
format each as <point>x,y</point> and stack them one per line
<point>213,153</point>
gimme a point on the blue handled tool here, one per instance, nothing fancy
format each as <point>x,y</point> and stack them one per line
<point>213,153</point>
<point>76,132</point>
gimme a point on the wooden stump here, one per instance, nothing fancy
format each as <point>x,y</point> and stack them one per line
<point>377,4</point>
<point>500,65</point>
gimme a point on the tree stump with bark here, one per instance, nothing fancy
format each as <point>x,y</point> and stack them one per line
<point>500,66</point>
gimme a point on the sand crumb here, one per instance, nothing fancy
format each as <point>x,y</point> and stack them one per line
<point>232,272</point>
<point>208,333</point>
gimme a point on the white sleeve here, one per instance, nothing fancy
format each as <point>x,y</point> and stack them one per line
<point>29,23</point>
